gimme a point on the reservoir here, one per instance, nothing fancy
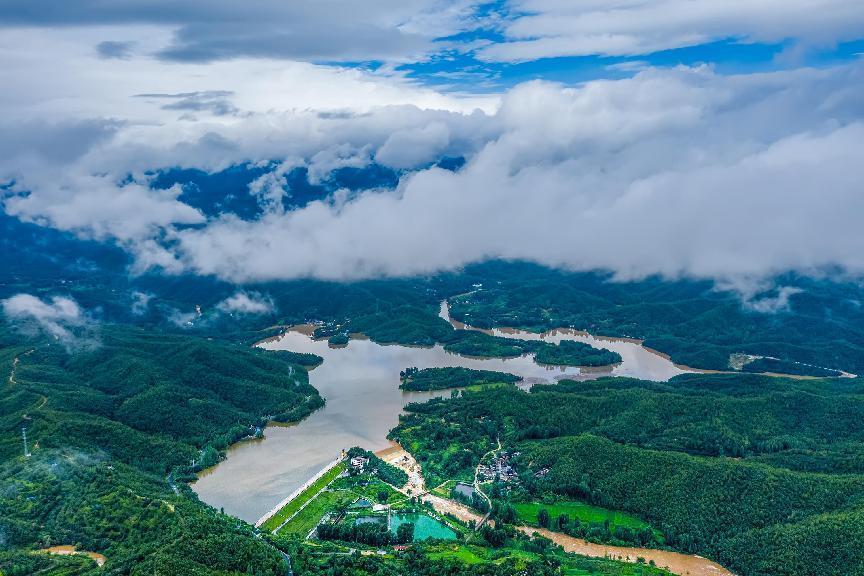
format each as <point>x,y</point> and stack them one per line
<point>360,383</point>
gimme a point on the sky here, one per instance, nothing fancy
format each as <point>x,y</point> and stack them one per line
<point>682,138</point>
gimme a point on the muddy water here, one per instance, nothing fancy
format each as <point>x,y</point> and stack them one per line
<point>682,564</point>
<point>637,361</point>
<point>69,550</point>
<point>360,382</point>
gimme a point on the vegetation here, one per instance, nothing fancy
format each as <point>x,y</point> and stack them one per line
<point>151,400</point>
<point>109,422</point>
<point>131,517</point>
<point>529,512</point>
<point>338,340</point>
<point>536,557</point>
<point>639,447</point>
<point>386,472</point>
<point>371,534</point>
<point>302,499</point>
<point>569,353</point>
<point>441,378</point>
<point>786,367</point>
<point>763,475</point>
<point>304,359</point>
<point>693,322</point>
<point>481,345</point>
<point>475,500</point>
<point>311,515</point>
<point>635,533</point>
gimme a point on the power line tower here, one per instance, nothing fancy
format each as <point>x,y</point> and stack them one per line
<point>24,436</point>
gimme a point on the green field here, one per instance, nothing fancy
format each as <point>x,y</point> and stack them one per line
<point>464,554</point>
<point>291,507</point>
<point>311,515</point>
<point>586,513</point>
<point>444,489</point>
<point>370,490</point>
<point>571,565</point>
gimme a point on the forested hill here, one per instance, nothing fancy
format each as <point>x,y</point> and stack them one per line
<point>108,423</point>
<point>765,476</point>
<point>692,321</point>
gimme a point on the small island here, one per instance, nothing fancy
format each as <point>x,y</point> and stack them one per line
<point>569,353</point>
<point>340,339</point>
<point>417,380</point>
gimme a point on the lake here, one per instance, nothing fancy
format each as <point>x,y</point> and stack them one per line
<point>360,383</point>
<point>424,527</point>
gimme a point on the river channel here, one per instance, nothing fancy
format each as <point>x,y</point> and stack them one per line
<point>360,383</point>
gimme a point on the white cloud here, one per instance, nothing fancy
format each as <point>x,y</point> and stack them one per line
<point>140,302</point>
<point>97,207</point>
<point>679,173</point>
<point>674,172</point>
<point>414,147</point>
<point>38,88</point>
<point>549,28</point>
<point>207,30</point>
<point>59,317</point>
<point>247,303</point>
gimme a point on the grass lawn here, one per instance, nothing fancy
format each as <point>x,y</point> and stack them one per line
<point>311,515</point>
<point>274,521</point>
<point>370,490</point>
<point>462,553</point>
<point>586,513</point>
<point>444,489</point>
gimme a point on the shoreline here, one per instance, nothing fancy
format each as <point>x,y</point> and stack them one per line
<point>636,356</point>
<point>511,331</point>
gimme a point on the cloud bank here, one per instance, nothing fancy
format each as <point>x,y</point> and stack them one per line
<point>681,172</point>
<point>207,30</point>
<point>247,303</point>
<point>59,317</point>
<point>537,29</point>
<point>678,173</point>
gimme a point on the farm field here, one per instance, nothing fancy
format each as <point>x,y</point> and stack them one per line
<point>586,513</point>
<point>294,505</point>
<point>311,515</point>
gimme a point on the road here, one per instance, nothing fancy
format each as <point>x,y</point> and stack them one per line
<point>477,487</point>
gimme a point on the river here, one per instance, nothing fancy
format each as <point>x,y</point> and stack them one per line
<point>360,383</point>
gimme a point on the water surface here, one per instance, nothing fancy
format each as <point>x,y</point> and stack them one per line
<point>424,527</point>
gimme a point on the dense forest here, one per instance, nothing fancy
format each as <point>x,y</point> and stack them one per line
<point>764,462</point>
<point>441,378</point>
<point>694,322</point>
<point>113,428</point>
<point>569,353</point>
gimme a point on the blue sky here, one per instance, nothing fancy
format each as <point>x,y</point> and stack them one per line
<point>460,71</point>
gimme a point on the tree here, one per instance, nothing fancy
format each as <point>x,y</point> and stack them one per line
<point>562,522</point>
<point>494,536</point>
<point>405,533</point>
<point>543,518</point>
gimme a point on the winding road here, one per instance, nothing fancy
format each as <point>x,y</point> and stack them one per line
<point>477,487</point>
